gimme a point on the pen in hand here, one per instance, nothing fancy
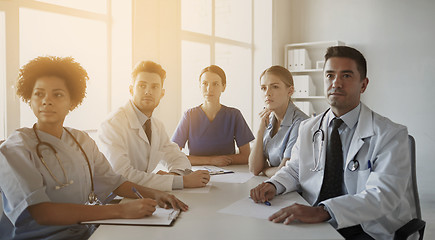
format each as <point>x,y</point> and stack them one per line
<point>136,192</point>
<point>265,202</point>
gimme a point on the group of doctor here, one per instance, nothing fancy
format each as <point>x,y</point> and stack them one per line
<point>53,177</point>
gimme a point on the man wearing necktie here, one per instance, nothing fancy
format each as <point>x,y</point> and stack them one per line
<point>147,129</point>
<point>362,185</point>
<point>135,142</point>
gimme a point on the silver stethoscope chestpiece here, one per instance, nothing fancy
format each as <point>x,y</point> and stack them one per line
<point>93,199</point>
<point>353,165</point>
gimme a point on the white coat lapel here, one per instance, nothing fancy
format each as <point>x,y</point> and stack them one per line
<point>325,137</point>
<point>363,130</point>
<point>134,122</point>
<point>319,174</point>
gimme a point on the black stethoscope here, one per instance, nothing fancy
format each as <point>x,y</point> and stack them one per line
<point>320,134</point>
<point>92,198</point>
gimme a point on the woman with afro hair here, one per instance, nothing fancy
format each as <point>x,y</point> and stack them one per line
<point>54,177</point>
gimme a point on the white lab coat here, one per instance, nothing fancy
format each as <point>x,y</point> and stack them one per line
<point>379,199</point>
<point>124,143</point>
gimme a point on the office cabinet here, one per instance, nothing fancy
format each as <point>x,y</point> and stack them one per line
<point>305,62</point>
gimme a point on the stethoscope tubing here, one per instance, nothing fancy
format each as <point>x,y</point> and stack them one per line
<point>316,164</point>
<point>38,152</point>
<point>316,160</point>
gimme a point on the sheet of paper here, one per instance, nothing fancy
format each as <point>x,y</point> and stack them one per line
<point>237,177</point>
<point>247,207</point>
<point>160,217</point>
<point>205,189</point>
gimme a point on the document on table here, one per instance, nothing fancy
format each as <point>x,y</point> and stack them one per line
<point>161,217</point>
<point>213,170</point>
<point>247,207</point>
<point>237,177</point>
<point>226,176</point>
<point>205,189</point>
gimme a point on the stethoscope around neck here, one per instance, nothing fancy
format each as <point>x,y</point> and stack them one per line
<point>320,134</point>
<point>92,198</point>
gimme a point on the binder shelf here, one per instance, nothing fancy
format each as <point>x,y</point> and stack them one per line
<point>305,61</point>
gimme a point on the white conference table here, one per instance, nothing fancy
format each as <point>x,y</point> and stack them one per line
<point>202,221</point>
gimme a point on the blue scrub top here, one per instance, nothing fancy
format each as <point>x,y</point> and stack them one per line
<point>278,147</point>
<point>207,138</point>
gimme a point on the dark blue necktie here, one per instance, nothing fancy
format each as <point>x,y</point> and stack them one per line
<point>333,176</point>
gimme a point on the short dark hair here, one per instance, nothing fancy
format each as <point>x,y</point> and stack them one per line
<point>215,69</point>
<point>281,72</point>
<point>148,66</point>
<point>66,68</point>
<point>349,52</point>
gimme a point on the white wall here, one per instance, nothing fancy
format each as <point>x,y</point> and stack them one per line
<point>263,19</point>
<point>397,39</point>
<point>282,29</point>
<point>156,37</point>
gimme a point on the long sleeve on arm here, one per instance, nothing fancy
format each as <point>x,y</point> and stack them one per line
<point>127,153</point>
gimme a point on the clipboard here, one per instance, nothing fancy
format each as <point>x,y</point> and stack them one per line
<point>161,217</point>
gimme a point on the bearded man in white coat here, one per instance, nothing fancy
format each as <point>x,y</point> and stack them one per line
<point>366,193</point>
<point>135,142</point>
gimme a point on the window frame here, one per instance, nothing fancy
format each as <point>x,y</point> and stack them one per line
<point>212,40</point>
<point>12,55</point>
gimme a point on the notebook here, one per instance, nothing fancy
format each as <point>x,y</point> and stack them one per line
<point>161,217</point>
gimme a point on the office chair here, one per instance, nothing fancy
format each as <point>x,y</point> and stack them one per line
<point>1,141</point>
<point>416,224</point>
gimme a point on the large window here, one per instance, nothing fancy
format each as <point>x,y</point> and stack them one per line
<point>43,33</point>
<point>218,32</point>
<point>96,33</point>
<point>194,56</point>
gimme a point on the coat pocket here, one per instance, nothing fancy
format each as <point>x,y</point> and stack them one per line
<point>363,175</point>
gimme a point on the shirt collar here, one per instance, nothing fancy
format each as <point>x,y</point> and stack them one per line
<point>289,114</point>
<point>350,118</point>
<point>288,117</point>
<point>140,115</point>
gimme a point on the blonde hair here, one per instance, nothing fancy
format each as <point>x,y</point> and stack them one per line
<point>282,72</point>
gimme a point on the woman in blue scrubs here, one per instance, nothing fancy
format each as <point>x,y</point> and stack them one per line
<point>52,177</point>
<point>279,123</point>
<point>212,129</point>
